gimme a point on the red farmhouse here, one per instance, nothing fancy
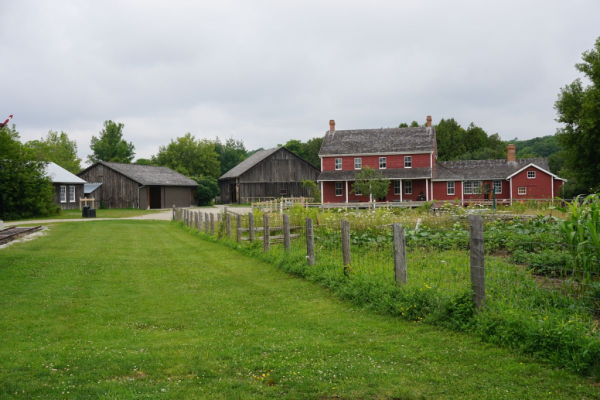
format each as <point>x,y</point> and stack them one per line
<point>407,157</point>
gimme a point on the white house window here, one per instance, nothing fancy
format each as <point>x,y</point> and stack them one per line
<point>71,194</point>
<point>530,174</point>
<point>408,162</point>
<point>450,188</point>
<point>338,163</point>
<point>522,190</point>
<point>382,163</point>
<point>338,189</point>
<point>357,163</point>
<point>63,194</point>
<point>472,187</point>
<point>407,187</point>
<point>396,187</point>
<point>498,187</point>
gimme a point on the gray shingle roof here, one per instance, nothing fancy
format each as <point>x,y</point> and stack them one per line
<point>249,163</point>
<point>396,173</point>
<point>484,169</point>
<point>151,175</point>
<point>377,141</point>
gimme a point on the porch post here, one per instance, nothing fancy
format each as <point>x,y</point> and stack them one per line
<point>510,191</point>
<point>427,189</point>
<point>432,190</point>
<point>462,193</point>
<point>401,189</point>
<point>321,192</point>
<point>346,192</point>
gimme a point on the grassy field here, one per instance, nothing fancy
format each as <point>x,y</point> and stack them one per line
<point>143,309</point>
<point>100,213</point>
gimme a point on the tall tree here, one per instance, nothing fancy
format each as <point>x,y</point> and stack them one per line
<point>231,153</point>
<point>111,146</point>
<point>58,148</point>
<point>578,108</point>
<point>370,182</point>
<point>190,156</point>
<point>308,151</point>
<point>25,190</point>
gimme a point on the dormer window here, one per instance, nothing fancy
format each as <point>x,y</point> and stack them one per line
<point>338,163</point>
<point>357,163</point>
<point>408,162</point>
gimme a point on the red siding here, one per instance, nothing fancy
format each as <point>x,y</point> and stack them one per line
<point>392,161</point>
<point>538,188</point>
<point>330,197</point>
<point>329,193</point>
<point>557,185</point>
<point>440,191</point>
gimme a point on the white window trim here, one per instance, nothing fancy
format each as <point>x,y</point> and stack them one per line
<point>399,191</point>
<point>360,161</point>
<point>448,188</point>
<point>524,190</point>
<point>406,158</point>
<point>71,194</point>
<point>531,172</point>
<point>63,194</point>
<point>407,186</point>
<point>384,162</point>
<point>469,185</point>
<point>341,189</point>
<point>494,187</point>
<point>336,164</point>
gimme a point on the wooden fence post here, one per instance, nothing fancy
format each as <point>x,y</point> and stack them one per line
<point>239,228</point>
<point>198,221</point>
<point>174,213</point>
<point>220,225</point>
<point>212,224</point>
<point>206,221</point>
<point>310,242</point>
<point>228,225</point>
<point>346,245</point>
<point>286,233</point>
<point>251,225</point>
<point>477,260</point>
<point>399,255</point>
<point>266,233</point>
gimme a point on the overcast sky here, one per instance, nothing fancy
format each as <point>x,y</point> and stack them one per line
<point>269,71</point>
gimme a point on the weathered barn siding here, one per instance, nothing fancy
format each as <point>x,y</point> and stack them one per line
<point>278,175</point>
<point>177,195</point>
<point>117,190</point>
<point>69,205</point>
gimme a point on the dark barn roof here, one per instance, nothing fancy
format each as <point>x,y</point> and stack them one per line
<point>378,141</point>
<point>484,169</point>
<point>249,163</point>
<point>149,174</point>
<point>396,173</point>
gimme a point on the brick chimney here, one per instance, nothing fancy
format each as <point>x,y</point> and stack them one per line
<point>331,125</point>
<point>511,153</point>
<point>429,120</point>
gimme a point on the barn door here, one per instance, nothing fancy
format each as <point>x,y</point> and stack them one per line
<point>155,197</point>
<point>233,198</point>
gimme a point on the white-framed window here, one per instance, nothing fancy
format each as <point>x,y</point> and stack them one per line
<point>498,187</point>
<point>530,174</point>
<point>450,188</point>
<point>71,194</point>
<point>472,187</point>
<point>338,163</point>
<point>63,194</point>
<point>407,161</point>
<point>357,163</point>
<point>339,189</point>
<point>522,190</point>
<point>382,163</point>
<point>407,187</point>
<point>397,187</point>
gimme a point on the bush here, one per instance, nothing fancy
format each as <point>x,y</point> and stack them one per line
<point>207,190</point>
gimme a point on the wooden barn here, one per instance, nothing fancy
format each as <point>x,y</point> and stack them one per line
<point>68,188</point>
<point>267,174</point>
<point>115,185</point>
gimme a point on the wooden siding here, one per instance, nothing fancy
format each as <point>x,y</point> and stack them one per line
<point>117,191</point>
<point>68,205</point>
<point>282,170</point>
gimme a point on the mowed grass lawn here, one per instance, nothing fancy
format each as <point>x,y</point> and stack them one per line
<point>144,309</point>
<point>100,213</point>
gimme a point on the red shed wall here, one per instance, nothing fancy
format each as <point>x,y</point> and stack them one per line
<point>538,188</point>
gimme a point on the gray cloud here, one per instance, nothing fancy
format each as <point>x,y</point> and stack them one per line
<point>267,71</point>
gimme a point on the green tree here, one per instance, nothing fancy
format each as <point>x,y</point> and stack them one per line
<point>207,190</point>
<point>25,190</point>
<point>111,146</point>
<point>371,182</point>
<point>308,151</point>
<point>403,125</point>
<point>231,153</point>
<point>144,161</point>
<point>578,108</point>
<point>190,156</point>
<point>57,147</point>
<point>313,190</point>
